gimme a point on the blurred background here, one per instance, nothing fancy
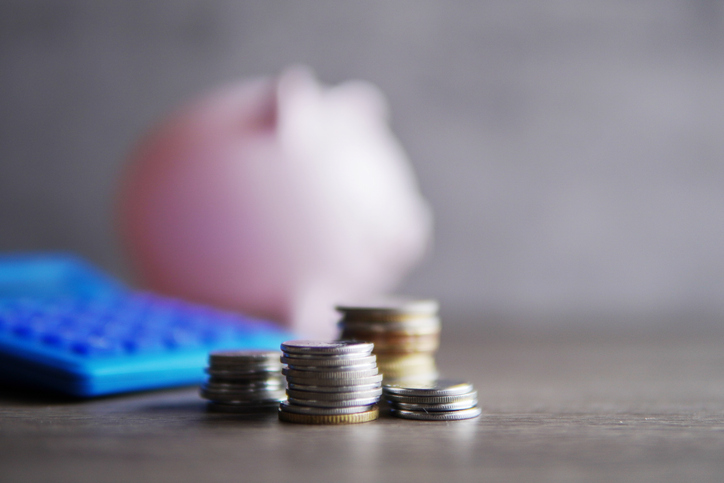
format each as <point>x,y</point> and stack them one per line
<point>572,151</point>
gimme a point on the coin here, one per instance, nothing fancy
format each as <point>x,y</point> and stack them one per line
<point>437,416</point>
<point>441,387</point>
<point>324,380</point>
<point>417,378</point>
<point>435,407</point>
<point>322,347</point>
<point>389,369</point>
<point>334,396</point>
<point>224,357</point>
<point>241,391</point>
<point>422,373</point>
<point>247,367</point>
<point>219,407</point>
<point>340,403</point>
<point>302,409</point>
<point>317,381</point>
<point>249,397</point>
<point>337,374</point>
<point>390,307</point>
<point>335,389</point>
<point>417,326</point>
<point>244,375</point>
<point>363,417</point>
<point>410,359</point>
<point>432,399</point>
<point>327,361</point>
<point>267,385</point>
<point>403,345</point>
<point>241,380</point>
<point>331,369</point>
<point>330,358</point>
<point>247,402</point>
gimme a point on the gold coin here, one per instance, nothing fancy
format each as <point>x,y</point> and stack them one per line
<point>380,331</point>
<point>381,339</point>
<point>396,374</point>
<point>426,373</point>
<point>405,360</point>
<point>407,348</point>
<point>398,323</point>
<point>390,307</point>
<point>363,417</point>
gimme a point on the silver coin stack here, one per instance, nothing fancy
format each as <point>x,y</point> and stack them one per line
<point>442,400</point>
<point>243,380</point>
<point>330,382</point>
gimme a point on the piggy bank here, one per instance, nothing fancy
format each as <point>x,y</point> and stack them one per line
<point>276,197</point>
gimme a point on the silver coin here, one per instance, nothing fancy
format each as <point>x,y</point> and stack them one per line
<point>432,399</point>
<point>328,357</point>
<point>243,357</point>
<point>437,416</point>
<point>334,396</point>
<point>246,397</point>
<point>327,347</point>
<point>247,402</point>
<point>351,368</point>
<point>294,408</point>
<point>220,407</point>
<point>257,386</point>
<point>332,373</point>
<point>327,361</point>
<point>274,378</point>
<point>335,389</point>
<point>251,375</point>
<point>240,389</point>
<point>241,396</point>
<point>317,381</point>
<point>254,383</point>
<point>343,403</point>
<point>391,305</point>
<point>244,393</point>
<point>440,387</point>
<point>247,367</point>
<point>435,407</point>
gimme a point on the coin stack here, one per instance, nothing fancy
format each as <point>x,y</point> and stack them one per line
<point>406,334</point>
<point>330,382</point>
<point>242,381</point>
<point>442,400</point>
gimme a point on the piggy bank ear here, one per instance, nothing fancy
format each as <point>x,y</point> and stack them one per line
<point>361,97</point>
<point>300,112</point>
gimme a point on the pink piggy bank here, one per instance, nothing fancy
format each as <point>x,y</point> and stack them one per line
<point>275,197</point>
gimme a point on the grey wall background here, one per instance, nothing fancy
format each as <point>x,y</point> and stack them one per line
<point>573,151</point>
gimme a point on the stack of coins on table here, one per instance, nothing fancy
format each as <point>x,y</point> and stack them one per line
<point>406,334</point>
<point>330,382</point>
<point>442,400</point>
<point>242,381</point>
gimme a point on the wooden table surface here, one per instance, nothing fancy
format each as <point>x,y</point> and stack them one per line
<point>557,407</point>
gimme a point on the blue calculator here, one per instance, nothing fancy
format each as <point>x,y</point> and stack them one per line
<point>68,327</point>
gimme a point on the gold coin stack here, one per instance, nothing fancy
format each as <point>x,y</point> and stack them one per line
<point>405,333</point>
